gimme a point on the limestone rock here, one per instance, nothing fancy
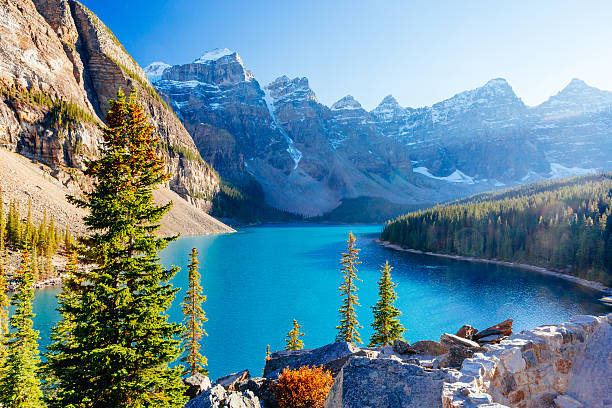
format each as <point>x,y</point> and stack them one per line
<point>466,331</point>
<point>504,328</point>
<point>196,384</point>
<point>565,401</point>
<point>296,359</point>
<point>218,397</point>
<point>385,383</point>
<point>229,381</point>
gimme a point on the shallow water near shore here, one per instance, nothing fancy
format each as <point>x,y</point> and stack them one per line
<point>259,279</point>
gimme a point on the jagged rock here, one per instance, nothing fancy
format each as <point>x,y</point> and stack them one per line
<point>229,381</point>
<point>196,384</point>
<point>428,347</point>
<point>385,383</point>
<point>504,328</point>
<point>493,338</point>
<point>309,357</point>
<point>401,346</point>
<point>452,340</point>
<point>456,355</point>
<point>218,397</point>
<point>263,388</point>
<point>565,401</point>
<point>466,331</point>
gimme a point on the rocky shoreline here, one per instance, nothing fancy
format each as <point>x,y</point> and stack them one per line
<point>551,366</point>
<point>583,282</point>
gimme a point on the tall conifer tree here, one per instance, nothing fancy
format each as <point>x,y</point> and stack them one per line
<point>20,386</point>
<point>293,338</point>
<point>115,343</point>
<point>387,326</point>
<point>194,318</point>
<point>347,329</point>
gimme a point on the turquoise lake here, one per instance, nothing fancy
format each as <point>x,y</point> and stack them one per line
<point>261,278</point>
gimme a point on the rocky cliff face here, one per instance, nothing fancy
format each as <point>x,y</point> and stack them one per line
<point>60,66</point>
<point>306,156</point>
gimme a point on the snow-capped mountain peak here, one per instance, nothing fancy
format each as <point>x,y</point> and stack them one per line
<point>575,99</point>
<point>389,101</point>
<point>348,102</point>
<point>155,70</point>
<point>213,55</point>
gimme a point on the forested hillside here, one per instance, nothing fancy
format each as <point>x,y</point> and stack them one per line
<point>561,224</point>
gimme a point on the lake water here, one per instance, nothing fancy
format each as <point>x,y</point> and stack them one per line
<point>261,278</point>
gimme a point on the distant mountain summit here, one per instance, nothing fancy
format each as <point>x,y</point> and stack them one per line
<point>309,158</point>
<point>155,70</point>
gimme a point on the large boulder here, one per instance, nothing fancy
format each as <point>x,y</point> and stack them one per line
<point>196,384</point>
<point>504,328</point>
<point>401,346</point>
<point>466,331</point>
<point>450,340</point>
<point>386,383</point>
<point>229,381</point>
<point>218,397</point>
<point>263,388</point>
<point>296,359</point>
<point>428,348</point>
<point>457,354</point>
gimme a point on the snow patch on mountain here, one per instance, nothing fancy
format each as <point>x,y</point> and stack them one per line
<point>293,151</point>
<point>560,171</point>
<point>155,70</point>
<point>213,55</point>
<point>455,177</point>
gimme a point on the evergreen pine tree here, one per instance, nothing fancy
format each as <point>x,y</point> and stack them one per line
<point>293,338</point>
<point>347,330</point>
<point>387,326</point>
<point>193,320</point>
<point>115,343</point>
<point>268,354</point>
<point>20,386</point>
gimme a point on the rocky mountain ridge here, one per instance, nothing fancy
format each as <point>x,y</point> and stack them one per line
<point>311,159</point>
<point>60,66</point>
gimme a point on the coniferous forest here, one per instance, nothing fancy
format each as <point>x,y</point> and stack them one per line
<point>563,224</point>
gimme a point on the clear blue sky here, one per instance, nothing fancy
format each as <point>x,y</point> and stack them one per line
<point>419,51</point>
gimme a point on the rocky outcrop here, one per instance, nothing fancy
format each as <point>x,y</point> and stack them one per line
<point>60,67</point>
<point>229,382</point>
<point>386,383</point>
<point>218,397</point>
<point>549,366</point>
<point>309,357</point>
<point>559,366</point>
<point>196,384</point>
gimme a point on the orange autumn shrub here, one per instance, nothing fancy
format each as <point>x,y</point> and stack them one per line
<point>303,388</point>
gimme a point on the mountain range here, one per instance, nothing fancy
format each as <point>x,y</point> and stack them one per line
<point>310,159</point>
<point>242,150</point>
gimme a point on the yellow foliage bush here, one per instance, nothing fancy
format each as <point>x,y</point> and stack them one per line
<point>303,388</point>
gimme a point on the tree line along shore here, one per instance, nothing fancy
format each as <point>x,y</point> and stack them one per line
<point>563,225</point>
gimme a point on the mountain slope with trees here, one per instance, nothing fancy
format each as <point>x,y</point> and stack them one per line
<point>61,65</point>
<point>564,225</point>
